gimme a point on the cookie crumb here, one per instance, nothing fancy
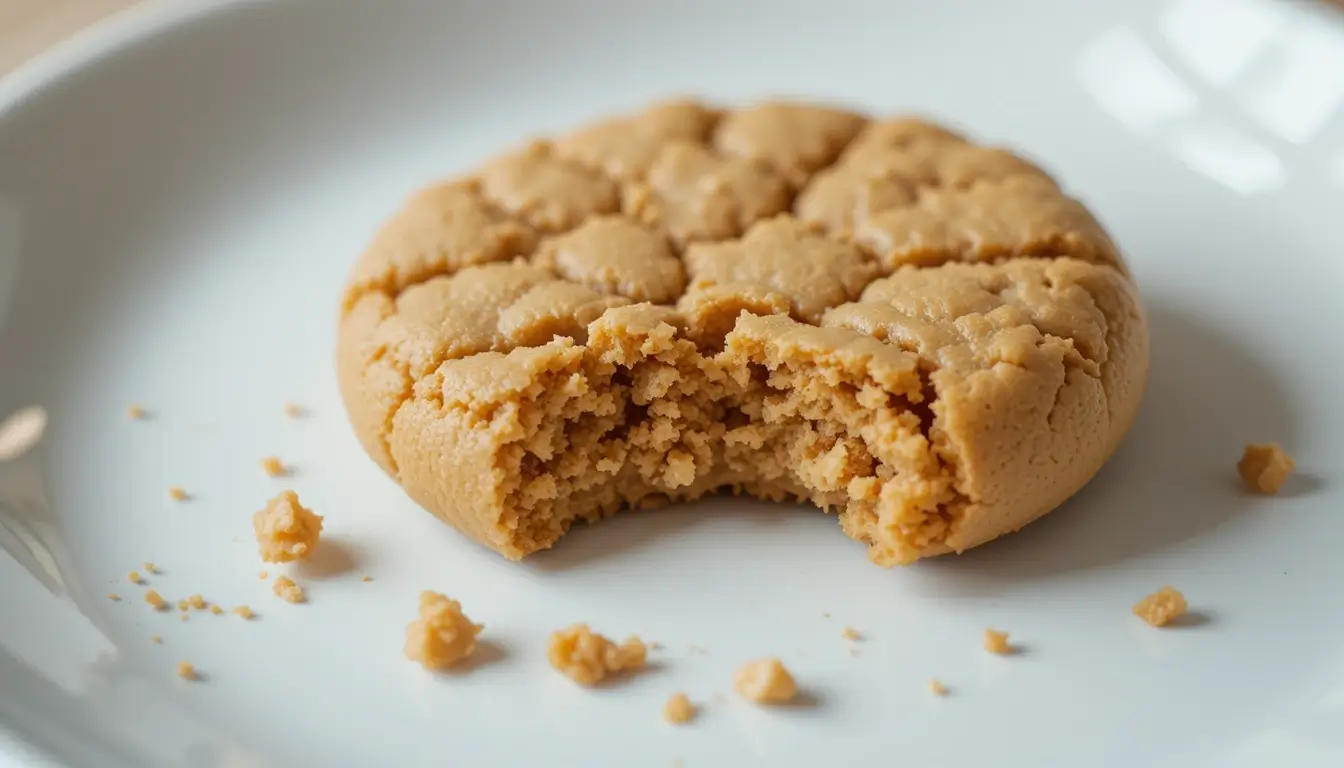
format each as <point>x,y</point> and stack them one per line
<point>134,578</point>
<point>136,412</point>
<point>294,410</point>
<point>273,466</point>
<point>215,609</point>
<point>1161,607</point>
<point>587,658</point>
<point>155,600</point>
<point>286,530</point>
<point>850,633</point>
<point>654,645</point>
<point>367,579</point>
<point>114,597</point>
<point>678,709</point>
<point>825,615</point>
<point>442,636</point>
<point>765,681</point>
<point>150,568</point>
<point>243,612</point>
<point>264,575</point>
<point>1264,467</point>
<point>997,642</point>
<point>285,588</point>
<point>183,617</point>
<point>177,493</point>
<point>186,671</point>
<point>196,601</point>
<point>183,605</point>
<point>156,639</point>
<point>937,688</point>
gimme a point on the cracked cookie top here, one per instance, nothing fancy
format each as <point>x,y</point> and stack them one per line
<point>780,226</point>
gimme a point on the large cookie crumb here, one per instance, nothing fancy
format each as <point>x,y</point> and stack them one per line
<point>442,636</point>
<point>1264,467</point>
<point>1162,607</point>
<point>285,588</point>
<point>286,530</point>
<point>678,709</point>
<point>588,658</point>
<point>765,681</point>
<point>996,642</point>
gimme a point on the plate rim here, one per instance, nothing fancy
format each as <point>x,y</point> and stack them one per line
<point>121,30</point>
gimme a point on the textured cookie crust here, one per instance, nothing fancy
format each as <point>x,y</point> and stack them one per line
<point>788,300</point>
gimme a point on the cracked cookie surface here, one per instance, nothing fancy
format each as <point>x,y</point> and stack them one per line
<point>926,336</point>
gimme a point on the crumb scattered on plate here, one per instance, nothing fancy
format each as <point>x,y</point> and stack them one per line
<point>273,466</point>
<point>243,611</point>
<point>150,568</point>
<point>215,609</point>
<point>134,578</point>
<point>114,597</point>
<point>850,633</point>
<point>183,605</point>
<point>186,671</point>
<point>177,493</point>
<point>937,688</point>
<point>155,600</point>
<point>442,636</point>
<point>197,601</point>
<point>367,579</point>
<point>997,642</point>
<point>136,412</point>
<point>678,709</point>
<point>264,575</point>
<point>286,530</point>
<point>1161,607</point>
<point>285,588</point>
<point>156,639</point>
<point>588,658</point>
<point>765,681</point>
<point>1264,467</point>
<point>183,617</point>
<point>294,410</point>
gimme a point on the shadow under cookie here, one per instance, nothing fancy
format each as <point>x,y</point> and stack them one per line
<point>1174,477</point>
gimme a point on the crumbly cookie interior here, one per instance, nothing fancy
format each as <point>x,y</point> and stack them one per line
<point>790,301</point>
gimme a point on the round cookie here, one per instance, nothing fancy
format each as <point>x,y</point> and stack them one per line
<point>923,335</point>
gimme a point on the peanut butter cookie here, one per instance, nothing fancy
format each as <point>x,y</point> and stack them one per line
<point>924,335</point>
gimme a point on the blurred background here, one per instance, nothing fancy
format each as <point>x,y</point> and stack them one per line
<point>29,26</point>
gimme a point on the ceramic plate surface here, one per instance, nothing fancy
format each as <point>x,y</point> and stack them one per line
<point>182,191</point>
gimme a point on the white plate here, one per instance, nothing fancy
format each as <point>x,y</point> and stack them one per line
<point>183,190</point>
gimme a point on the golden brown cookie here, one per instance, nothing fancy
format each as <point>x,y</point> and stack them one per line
<point>923,335</point>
